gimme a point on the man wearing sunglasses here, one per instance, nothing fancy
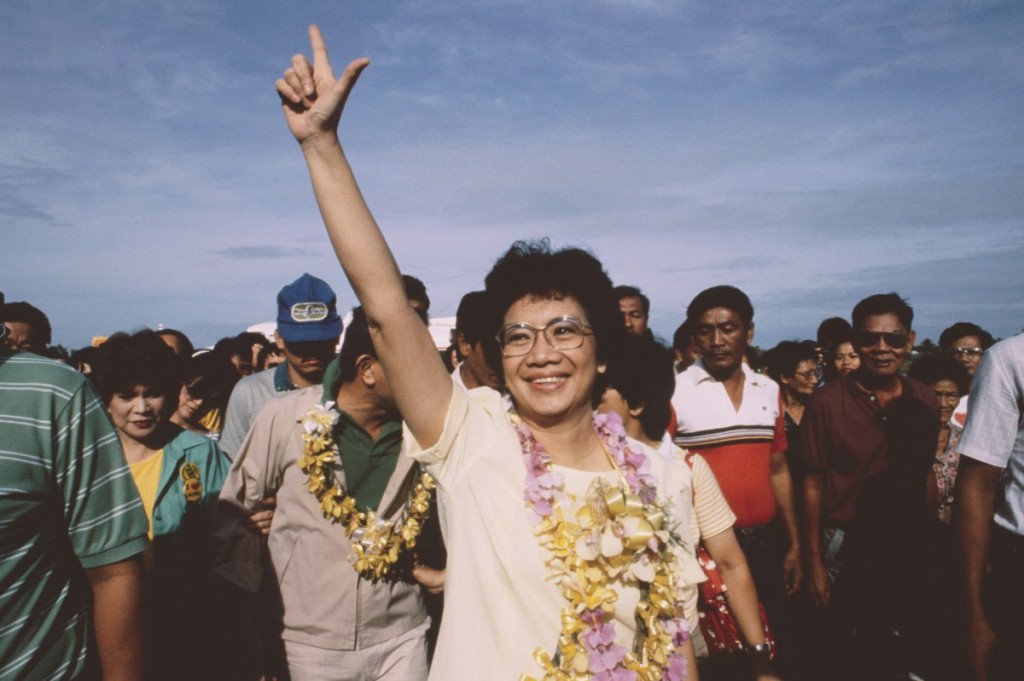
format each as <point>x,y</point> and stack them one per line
<point>868,440</point>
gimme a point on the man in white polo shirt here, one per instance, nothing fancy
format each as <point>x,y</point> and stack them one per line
<point>988,515</point>
<point>733,418</point>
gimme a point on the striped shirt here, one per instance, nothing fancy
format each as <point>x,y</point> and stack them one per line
<point>67,501</point>
<point>737,444</point>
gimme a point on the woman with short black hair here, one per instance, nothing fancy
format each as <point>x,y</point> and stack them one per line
<point>179,475</point>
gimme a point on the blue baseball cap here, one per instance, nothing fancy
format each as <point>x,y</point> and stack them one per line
<point>307,310</point>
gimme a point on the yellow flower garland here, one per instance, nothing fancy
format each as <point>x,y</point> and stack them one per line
<point>614,534</point>
<point>377,543</point>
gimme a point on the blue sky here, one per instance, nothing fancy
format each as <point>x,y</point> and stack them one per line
<point>809,153</point>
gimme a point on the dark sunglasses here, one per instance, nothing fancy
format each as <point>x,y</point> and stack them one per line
<point>869,339</point>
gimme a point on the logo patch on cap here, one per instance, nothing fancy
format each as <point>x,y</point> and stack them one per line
<point>309,312</point>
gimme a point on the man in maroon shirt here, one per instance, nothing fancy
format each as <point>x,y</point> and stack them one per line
<point>868,440</point>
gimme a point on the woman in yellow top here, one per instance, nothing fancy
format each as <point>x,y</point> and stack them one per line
<point>179,475</point>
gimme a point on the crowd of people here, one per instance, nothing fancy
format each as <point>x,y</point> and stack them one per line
<point>548,498</point>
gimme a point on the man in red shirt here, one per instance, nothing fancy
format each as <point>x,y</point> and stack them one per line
<point>733,417</point>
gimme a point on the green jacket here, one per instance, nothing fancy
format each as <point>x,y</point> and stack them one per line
<point>178,602</point>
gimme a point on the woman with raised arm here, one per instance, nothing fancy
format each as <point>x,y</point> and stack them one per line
<point>568,545</point>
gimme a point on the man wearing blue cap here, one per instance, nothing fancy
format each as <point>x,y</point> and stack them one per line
<point>308,328</point>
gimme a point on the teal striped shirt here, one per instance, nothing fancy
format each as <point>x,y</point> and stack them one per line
<point>67,502</point>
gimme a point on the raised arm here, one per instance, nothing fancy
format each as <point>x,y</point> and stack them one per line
<point>313,101</point>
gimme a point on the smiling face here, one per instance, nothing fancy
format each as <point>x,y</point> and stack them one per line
<point>877,356</point>
<point>550,386</point>
<point>137,414</point>
<point>722,338</point>
<point>948,395</point>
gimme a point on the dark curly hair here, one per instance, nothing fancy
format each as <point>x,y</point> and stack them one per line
<point>125,361</point>
<point>532,269</point>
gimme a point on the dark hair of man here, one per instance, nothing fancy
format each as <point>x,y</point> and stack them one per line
<point>82,357</point>
<point>683,336</point>
<point>632,292</point>
<point>532,269</point>
<point>28,314</point>
<point>728,297</point>
<point>642,371</point>
<point>265,352</point>
<point>186,345</point>
<point>356,344</point>
<point>125,361</point>
<point>471,317</point>
<point>880,304</point>
<point>784,358</point>
<point>212,374</point>
<point>231,345</point>
<point>417,290</point>
<point>833,332</point>
<point>930,369</point>
<point>961,329</point>
<point>247,339</point>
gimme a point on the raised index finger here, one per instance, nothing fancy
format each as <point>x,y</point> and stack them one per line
<point>321,63</point>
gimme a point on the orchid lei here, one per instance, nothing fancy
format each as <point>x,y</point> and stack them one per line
<point>377,543</point>
<point>618,534</point>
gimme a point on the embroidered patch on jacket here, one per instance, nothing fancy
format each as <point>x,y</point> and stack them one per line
<point>192,486</point>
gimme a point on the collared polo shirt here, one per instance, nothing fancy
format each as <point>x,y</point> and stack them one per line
<point>368,463</point>
<point>248,398</point>
<point>846,435</point>
<point>994,433</point>
<point>737,444</point>
<point>67,501</point>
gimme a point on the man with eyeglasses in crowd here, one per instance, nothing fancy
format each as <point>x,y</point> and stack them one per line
<point>868,439</point>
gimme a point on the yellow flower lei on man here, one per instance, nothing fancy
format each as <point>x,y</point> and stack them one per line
<point>377,543</point>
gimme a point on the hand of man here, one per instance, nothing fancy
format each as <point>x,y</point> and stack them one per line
<point>792,571</point>
<point>821,589</point>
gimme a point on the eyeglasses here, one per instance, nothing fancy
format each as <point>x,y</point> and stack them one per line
<point>869,339</point>
<point>965,352</point>
<point>561,333</point>
<point>810,374</point>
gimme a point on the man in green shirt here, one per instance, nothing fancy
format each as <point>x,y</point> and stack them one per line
<point>72,530</point>
<point>335,619</point>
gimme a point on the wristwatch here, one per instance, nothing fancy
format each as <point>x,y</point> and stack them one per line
<point>765,647</point>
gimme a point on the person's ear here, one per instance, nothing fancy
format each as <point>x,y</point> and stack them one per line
<point>364,370</point>
<point>750,333</point>
<point>278,341</point>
